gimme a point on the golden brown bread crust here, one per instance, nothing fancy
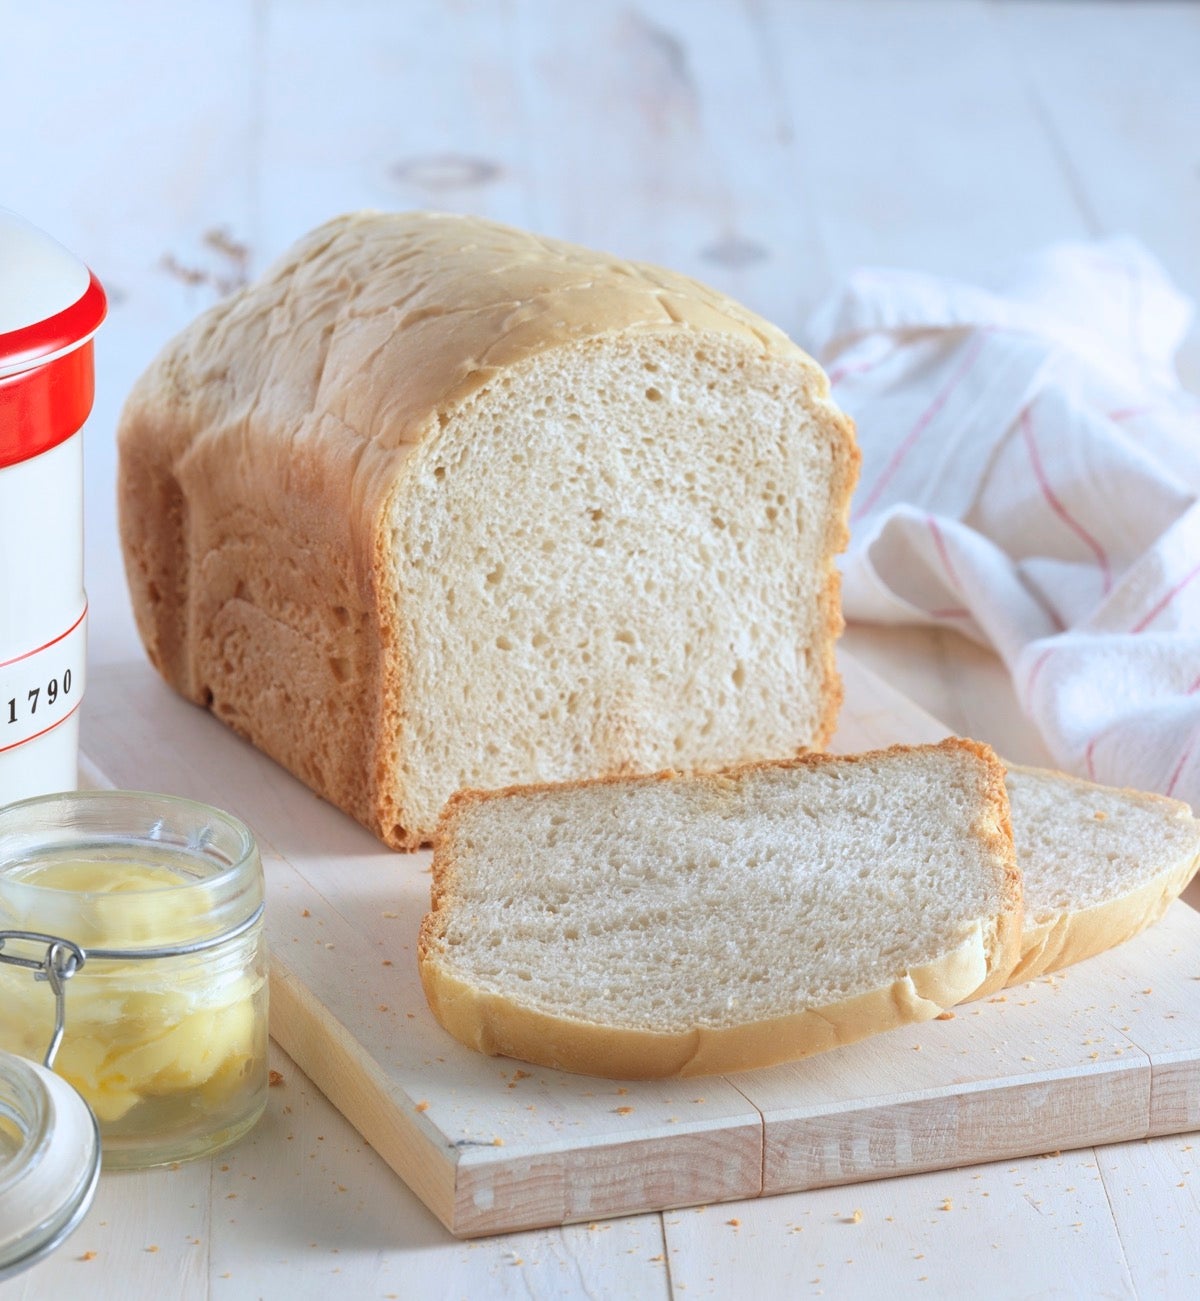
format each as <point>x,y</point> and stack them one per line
<point>273,605</point>
<point>491,1023</point>
<point>997,831</point>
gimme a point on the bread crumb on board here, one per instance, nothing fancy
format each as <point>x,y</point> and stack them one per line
<point>89,1255</point>
<point>944,1016</point>
<point>274,1079</point>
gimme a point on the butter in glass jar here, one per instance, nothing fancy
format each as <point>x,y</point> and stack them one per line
<point>133,922</point>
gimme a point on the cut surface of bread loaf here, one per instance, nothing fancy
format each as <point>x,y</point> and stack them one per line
<point>1099,864</point>
<point>439,504</point>
<point>671,925</point>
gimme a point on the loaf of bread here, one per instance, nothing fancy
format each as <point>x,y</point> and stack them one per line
<point>1099,864</point>
<point>437,503</point>
<point>684,925</point>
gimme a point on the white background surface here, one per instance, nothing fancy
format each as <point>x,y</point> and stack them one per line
<point>766,146</point>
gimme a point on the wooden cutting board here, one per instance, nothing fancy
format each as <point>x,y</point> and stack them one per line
<point>1109,1050</point>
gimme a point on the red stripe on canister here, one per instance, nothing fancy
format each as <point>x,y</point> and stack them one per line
<point>45,730</point>
<point>48,396</point>
<point>37,650</point>
<point>43,407</point>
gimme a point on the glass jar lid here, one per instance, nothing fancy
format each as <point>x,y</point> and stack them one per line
<point>49,1162</point>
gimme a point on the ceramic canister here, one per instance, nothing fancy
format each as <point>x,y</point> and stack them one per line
<point>50,307</point>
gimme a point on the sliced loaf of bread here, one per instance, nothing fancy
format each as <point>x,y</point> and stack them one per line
<point>430,470</point>
<point>1099,864</point>
<point>686,925</point>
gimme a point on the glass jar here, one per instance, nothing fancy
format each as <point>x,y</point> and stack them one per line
<point>131,944</point>
<point>49,1162</point>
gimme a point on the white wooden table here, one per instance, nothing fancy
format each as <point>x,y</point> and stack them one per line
<point>767,146</point>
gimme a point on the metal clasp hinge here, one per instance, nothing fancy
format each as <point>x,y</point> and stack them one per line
<point>60,961</point>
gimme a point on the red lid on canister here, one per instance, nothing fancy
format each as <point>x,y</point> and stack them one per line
<point>50,306</point>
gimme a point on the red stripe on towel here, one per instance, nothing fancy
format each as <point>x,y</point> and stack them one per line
<point>1056,505</point>
<point>1143,623</point>
<point>919,428</point>
<point>1038,665</point>
<point>1179,767</point>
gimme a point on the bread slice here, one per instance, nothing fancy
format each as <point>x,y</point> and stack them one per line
<point>647,927</point>
<point>1099,864</point>
<point>438,503</point>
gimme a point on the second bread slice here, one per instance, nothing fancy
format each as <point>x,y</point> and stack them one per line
<point>647,927</point>
<point>1099,865</point>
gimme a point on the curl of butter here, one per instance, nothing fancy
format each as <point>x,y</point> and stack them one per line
<point>140,1029</point>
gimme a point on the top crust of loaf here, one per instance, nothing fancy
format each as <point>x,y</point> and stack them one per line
<point>490,1020</point>
<point>1112,901</point>
<point>262,452</point>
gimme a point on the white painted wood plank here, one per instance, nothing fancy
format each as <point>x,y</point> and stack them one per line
<point>658,132</point>
<point>1033,1228</point>
<point>1118,89</point>
<point>380,105</point>
<point>147,1235</point>
<point>304,1208</point>
<point>919,145</point>
<point>1155,1200</point>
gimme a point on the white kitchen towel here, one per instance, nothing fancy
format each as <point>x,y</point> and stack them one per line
<point>1031,477</point>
